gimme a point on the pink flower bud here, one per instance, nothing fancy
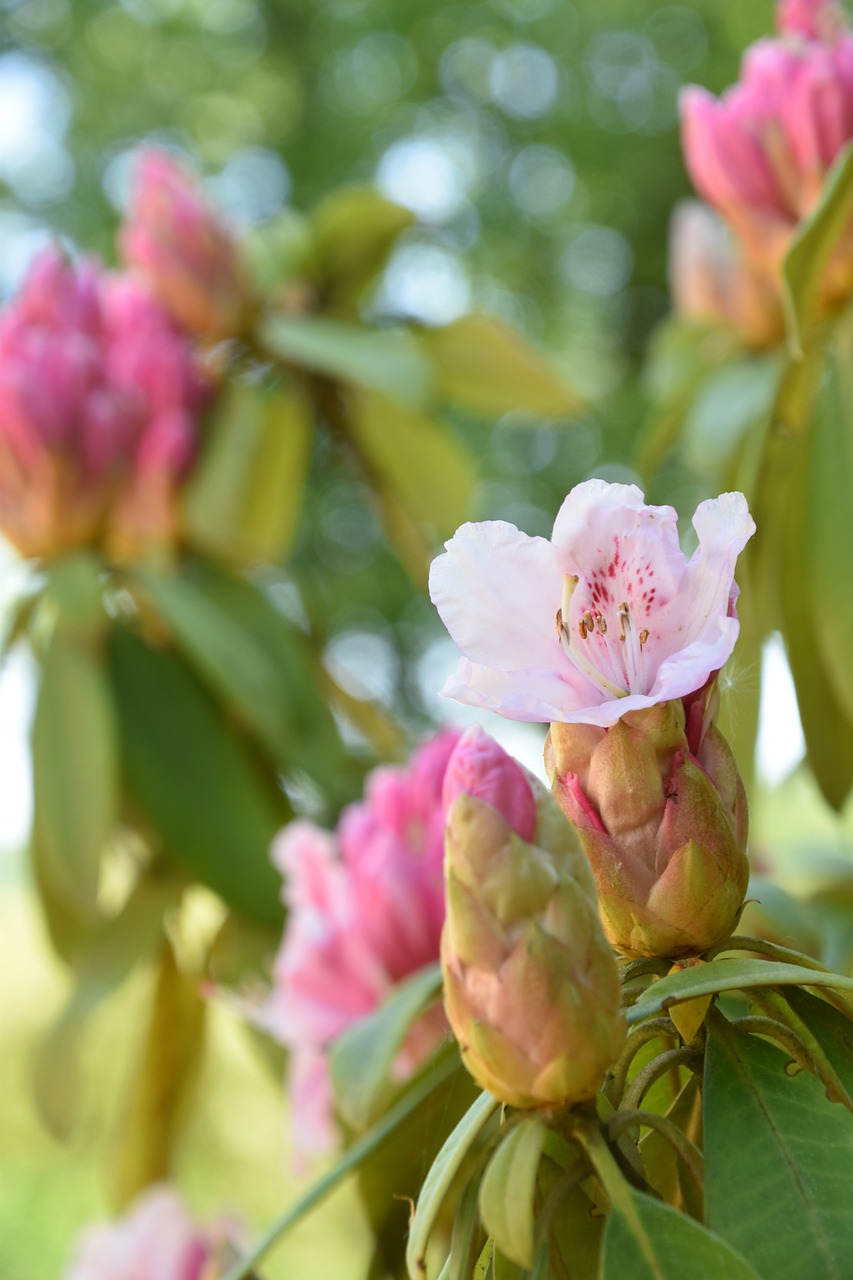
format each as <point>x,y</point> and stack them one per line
<point>480,768</point>
<point>98,392</point>
<point>184,250</point>
<point>366,910</point>
<point>760,153</point>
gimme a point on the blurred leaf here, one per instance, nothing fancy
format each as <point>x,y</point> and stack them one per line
<point>279,250</point>
<point>361,1059</point>
<point>725,406</point>
<point>778,1160</point>
<point>75,769</point>
<point>224,650</point>
<point>772,913</point>
<point>194,780</point>
<point>483,365</point>
<point>388,361</point>
<point>829,523</point>
<point>816,239</point>
<point>728,975</point>
<point>468,1237</point>
<point>827,729</point>
<point>73,587</point>
<point>416,458</point>
<point>102,962</point>
<point>508,1189</point>
<point>163,1081</point>
<point>438,1181</point>
<point>240,949</point>
<point>647,1240</point>
<point>355,229</point>
<point>244,498</point>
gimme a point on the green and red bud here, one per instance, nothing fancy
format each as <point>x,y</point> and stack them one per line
<point>531,986</point>
<point>660,810</point>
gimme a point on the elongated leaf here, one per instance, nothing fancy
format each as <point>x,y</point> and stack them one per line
<point>102,962</point>
<point>820,233</point>
<point>778,1161</point>
<point>468,1237</point>
<point>440,1177</point>
<point>75,769</point>
<point>647,1240</point>
<point>389,361</point>
<point>508,1189</point>
<point>727,404</point>
<point>192,779</point>
<point>361,1059</point>
<point>245,496</point>
<point>416,457</point>
<point>354,230</point>
<point>164,1078</point>
<point>830,1028</point>
<point>728,975</point>
<point>482,364</point>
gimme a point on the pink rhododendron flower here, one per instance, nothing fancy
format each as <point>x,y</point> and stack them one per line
<point>156,1240</point>
<point>712,283</point>
<point>760,153</point>
<point>366,910</point>
<point>605,618</point>
<point>183,249</point>
<point>98,402</point>
<point>482,769</point>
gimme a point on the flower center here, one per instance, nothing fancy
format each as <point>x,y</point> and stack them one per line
<point>609,654</point>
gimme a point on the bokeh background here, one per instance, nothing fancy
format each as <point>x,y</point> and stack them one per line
<point>537,143</point>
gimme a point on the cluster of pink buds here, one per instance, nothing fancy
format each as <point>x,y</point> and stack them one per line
<point>366,909</point>
<point>760,153</point>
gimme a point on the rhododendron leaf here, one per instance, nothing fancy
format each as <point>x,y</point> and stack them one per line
<point>778,1160</point>
<point>386,361</point>
<point>278,250</point>
<point>193,781</point>
<point>417,459</point>
<point>468,1236</point>
<point>361,1059</point>
<point>101,963</point>
<point>647,1240</point>
<point>164,1076</point>
<point>75,769</point>
<point>438,1181</point>
<point>816,238</point>
<point>509,1186</point>
<point>483,365</point>
<point>353,230</point>
<point>245,496</point>
<point>727,404</point>
<point>832,1030</point>
<point>728,975</point>
<point>74,588</point>
<point>576,1229</point>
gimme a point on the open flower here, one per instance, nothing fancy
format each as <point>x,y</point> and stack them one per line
<point>366,910</point>
<point>156,1240</point>
<point>759,154</point>
<point>606,618</point>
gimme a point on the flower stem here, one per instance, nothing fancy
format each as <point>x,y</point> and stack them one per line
<point>644,1079</point>
<point>618,1076</point>
<point>688,1152</point>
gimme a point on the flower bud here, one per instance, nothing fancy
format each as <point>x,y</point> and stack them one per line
<point>531,986</point>
<point>480,768</point>
<point>661,813</point>
<point>182,248</point>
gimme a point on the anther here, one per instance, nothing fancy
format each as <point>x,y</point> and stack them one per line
<point>644,635</point>
<point>601,623</point>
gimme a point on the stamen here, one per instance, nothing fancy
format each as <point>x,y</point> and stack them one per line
<point>601,623</point>
<point>586,625</point>
<point>588,620</point>
<point>644,635</point>
<point>582,629</point>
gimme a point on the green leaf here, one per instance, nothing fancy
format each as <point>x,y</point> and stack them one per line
<point>224,651</point>
<point>468,1237</point>
<point>361,1059</point>
<point>102,961</point>
<point>647,1240</point>
<point>193,780</point>
<point>728,975</point>
<point>508,1189</point>
<point>576,1230</point>
<point>388,361</point>
<point>354,230</point>
<point>417,459</point>
<point>75,769</point>
<point>244,498</point>
<point>818,236</point>
<point>438,1181</point>
<point>483,365</point>
<point>725,407</point>
<point>778,1161</point>
<point>832,1030</point>
<point>163,1080</point>
<point>73,587</point>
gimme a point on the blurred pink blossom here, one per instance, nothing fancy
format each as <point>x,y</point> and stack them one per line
<point>606,618</point>
<point>155,1240</point>
<point>98,401</point>
<point>366,910</point>
<point>179,244</point>
<point>760,153</point>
